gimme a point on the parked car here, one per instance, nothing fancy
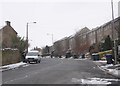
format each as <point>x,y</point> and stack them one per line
<point>82,56</point>
<point>75,56</point>
<point>68,54</point>
<point>33,56</point>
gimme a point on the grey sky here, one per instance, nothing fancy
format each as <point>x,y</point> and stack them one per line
<point>58,17</point>
<point>119,9</point>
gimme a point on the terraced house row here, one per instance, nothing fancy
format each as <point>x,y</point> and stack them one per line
<point>83,40</point>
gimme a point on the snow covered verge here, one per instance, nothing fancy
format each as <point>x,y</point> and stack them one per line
<point>12,66</point>
<point>112,69</point>
<point>109,68</point>
<point>94,80</point>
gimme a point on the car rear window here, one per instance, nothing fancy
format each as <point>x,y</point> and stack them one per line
<point>32,53</point>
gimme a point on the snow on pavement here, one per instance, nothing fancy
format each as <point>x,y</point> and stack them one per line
<point>81,59</point>
<point>93,81</point>
<point>107,65</point>
<point>113,71</point>
<point>110,68</point>
<point>12,66</point>
<point>103,61</point>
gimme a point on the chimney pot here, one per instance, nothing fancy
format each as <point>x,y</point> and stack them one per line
<point>8,23</point>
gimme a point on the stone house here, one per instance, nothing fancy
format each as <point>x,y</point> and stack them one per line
<point>10,55</point>
<point>8,34</point>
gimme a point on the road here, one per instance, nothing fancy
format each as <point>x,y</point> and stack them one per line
<point>55,71</point>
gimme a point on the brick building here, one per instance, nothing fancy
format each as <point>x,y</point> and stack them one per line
<point>101,32</point>
<point>57,48</point>
<point>106,29</point>
<point>92,36</point>
<point>61,46</point>
<point>71,45</point>
<point>83,40</point>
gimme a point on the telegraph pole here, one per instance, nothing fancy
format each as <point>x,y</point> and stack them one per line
<point>27,36</point>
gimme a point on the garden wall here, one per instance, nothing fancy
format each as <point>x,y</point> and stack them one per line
<point>10,56</point>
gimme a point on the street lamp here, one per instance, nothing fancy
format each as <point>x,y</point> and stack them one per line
<point>113,27</point>
<point>27,33</point>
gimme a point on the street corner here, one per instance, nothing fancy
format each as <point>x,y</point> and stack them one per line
<point>114,72</point>
<point>109,68</point>
<point>112,69</point>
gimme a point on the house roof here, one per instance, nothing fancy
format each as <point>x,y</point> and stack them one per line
<point>8,25</point>
<point>10,28</point>
<point>83,30</point>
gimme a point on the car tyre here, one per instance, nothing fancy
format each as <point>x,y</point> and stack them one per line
<point>29,62</point>
<point>36,61</point>
<point>39,61</point>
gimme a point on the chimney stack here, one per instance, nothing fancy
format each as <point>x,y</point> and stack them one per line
<point>8,23</point>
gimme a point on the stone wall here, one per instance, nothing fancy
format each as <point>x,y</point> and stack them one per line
<point>10,56</point>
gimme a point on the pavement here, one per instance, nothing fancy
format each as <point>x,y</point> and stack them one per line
<point>13,66</point>
<point>109,68</point>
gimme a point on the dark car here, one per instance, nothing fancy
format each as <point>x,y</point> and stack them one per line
<point>75,56</point>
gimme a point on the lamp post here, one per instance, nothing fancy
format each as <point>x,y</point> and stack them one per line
<point>113,28</point>
<point>27,33</point>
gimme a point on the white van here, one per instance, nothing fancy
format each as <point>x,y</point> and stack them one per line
<point>33,56</point>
